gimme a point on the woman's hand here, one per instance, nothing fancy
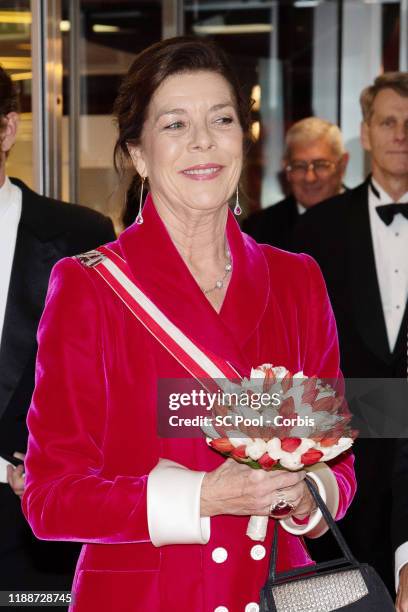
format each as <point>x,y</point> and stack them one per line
<point>235,488</point>
<point>401,604</point>
<point>15,476</point>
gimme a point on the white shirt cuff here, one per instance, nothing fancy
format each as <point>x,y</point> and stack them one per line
<point>3,470</point>
<point>173,505</point>
<point>401,558</point>
<point>327,486</point>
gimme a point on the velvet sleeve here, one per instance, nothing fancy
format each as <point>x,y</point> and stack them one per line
<point>66,498</point>
<point>321,358</point>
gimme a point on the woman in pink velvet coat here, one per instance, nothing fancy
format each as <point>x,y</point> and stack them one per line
<point>171,535</point>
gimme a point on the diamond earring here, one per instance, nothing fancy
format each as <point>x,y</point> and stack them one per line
<point>139,218</point>
<point>237,208</point>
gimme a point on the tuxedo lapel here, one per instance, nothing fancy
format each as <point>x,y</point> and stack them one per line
<point>400,350</point>
<point>365,290</point>
<point>32,262</point>
<point>165,278</point>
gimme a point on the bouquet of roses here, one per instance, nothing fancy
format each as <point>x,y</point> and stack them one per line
<point>279,420</point>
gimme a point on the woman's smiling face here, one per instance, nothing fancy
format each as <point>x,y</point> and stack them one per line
<point>191,145</point>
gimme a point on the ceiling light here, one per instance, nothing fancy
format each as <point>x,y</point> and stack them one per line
<point>256,97</point>
<point>307,3</point>
<point>16,63</point>
<point>65,25</point>
<point>244,28</point>
<point>255,130</point>
<point>22,76</point>
<point>15,17</point>
<point>100,28</point>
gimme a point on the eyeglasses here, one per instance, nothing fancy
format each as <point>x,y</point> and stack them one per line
<point>321,167</point>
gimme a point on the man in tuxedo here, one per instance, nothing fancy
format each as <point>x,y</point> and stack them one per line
<point>35,232</point>
<point>360,240</point>
<point>314,163</point>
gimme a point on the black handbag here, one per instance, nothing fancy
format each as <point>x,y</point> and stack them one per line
<point>341,584</point>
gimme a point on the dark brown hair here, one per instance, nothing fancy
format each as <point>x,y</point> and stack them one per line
<point>148,71</point>
<point>9,99</point>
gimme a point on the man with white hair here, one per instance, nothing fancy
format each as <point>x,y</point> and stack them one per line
<point>314,163</point>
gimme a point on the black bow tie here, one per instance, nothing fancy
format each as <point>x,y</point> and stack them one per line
<point>387,212</point>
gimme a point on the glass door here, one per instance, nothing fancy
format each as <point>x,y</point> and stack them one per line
<point>99,42</point>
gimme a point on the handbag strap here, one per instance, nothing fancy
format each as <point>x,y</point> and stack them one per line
<point>348,555</point>
<point>210,370</point>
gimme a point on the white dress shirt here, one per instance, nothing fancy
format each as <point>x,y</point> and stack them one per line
<point>10,213</point>
<point>390,244</point>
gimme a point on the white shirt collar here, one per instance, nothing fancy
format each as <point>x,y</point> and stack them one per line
<point>6,197</point>
<point>10,214</point>
<point>300,208</point>
<point>384,197</point>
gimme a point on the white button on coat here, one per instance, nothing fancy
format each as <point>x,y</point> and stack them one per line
<point>221,609</point>
<point>258,552</point>
<point>252,607</point>
<point>219,555</point>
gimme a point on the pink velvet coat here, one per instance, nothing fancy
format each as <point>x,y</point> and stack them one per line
<point>93,437</point>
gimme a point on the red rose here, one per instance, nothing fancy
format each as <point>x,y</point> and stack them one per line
<point>310,392</point>
<point>311,456</point>
<point>326,404</point>
<point>239,452</point>
<point>287,408</point>
<point>266,462</point>
<point>310,397</point>
<point>290,444</point>
<point>287,382</point>
<point>330,440</point>
<point>222,445</point>
<point>269,379</point>
<point>317,437</point>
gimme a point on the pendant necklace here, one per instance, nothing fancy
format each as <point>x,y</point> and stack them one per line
<point>220,283</point>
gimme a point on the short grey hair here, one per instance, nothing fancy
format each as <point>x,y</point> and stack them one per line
<point>307,131</point>
<point>397,81</point>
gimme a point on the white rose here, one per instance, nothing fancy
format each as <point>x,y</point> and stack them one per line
<point>305,445</point>
<point>345,443</point>
<point>280,371</point>
<point>330,452</point>
<point>325,391</point>
<point>273,447</point>
<point>260,371</point>
<point>291,461</point>
<point>256,448</point>
<point>298,378</point>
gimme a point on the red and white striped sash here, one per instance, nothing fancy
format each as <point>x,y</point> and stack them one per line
<point>200,363</point>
